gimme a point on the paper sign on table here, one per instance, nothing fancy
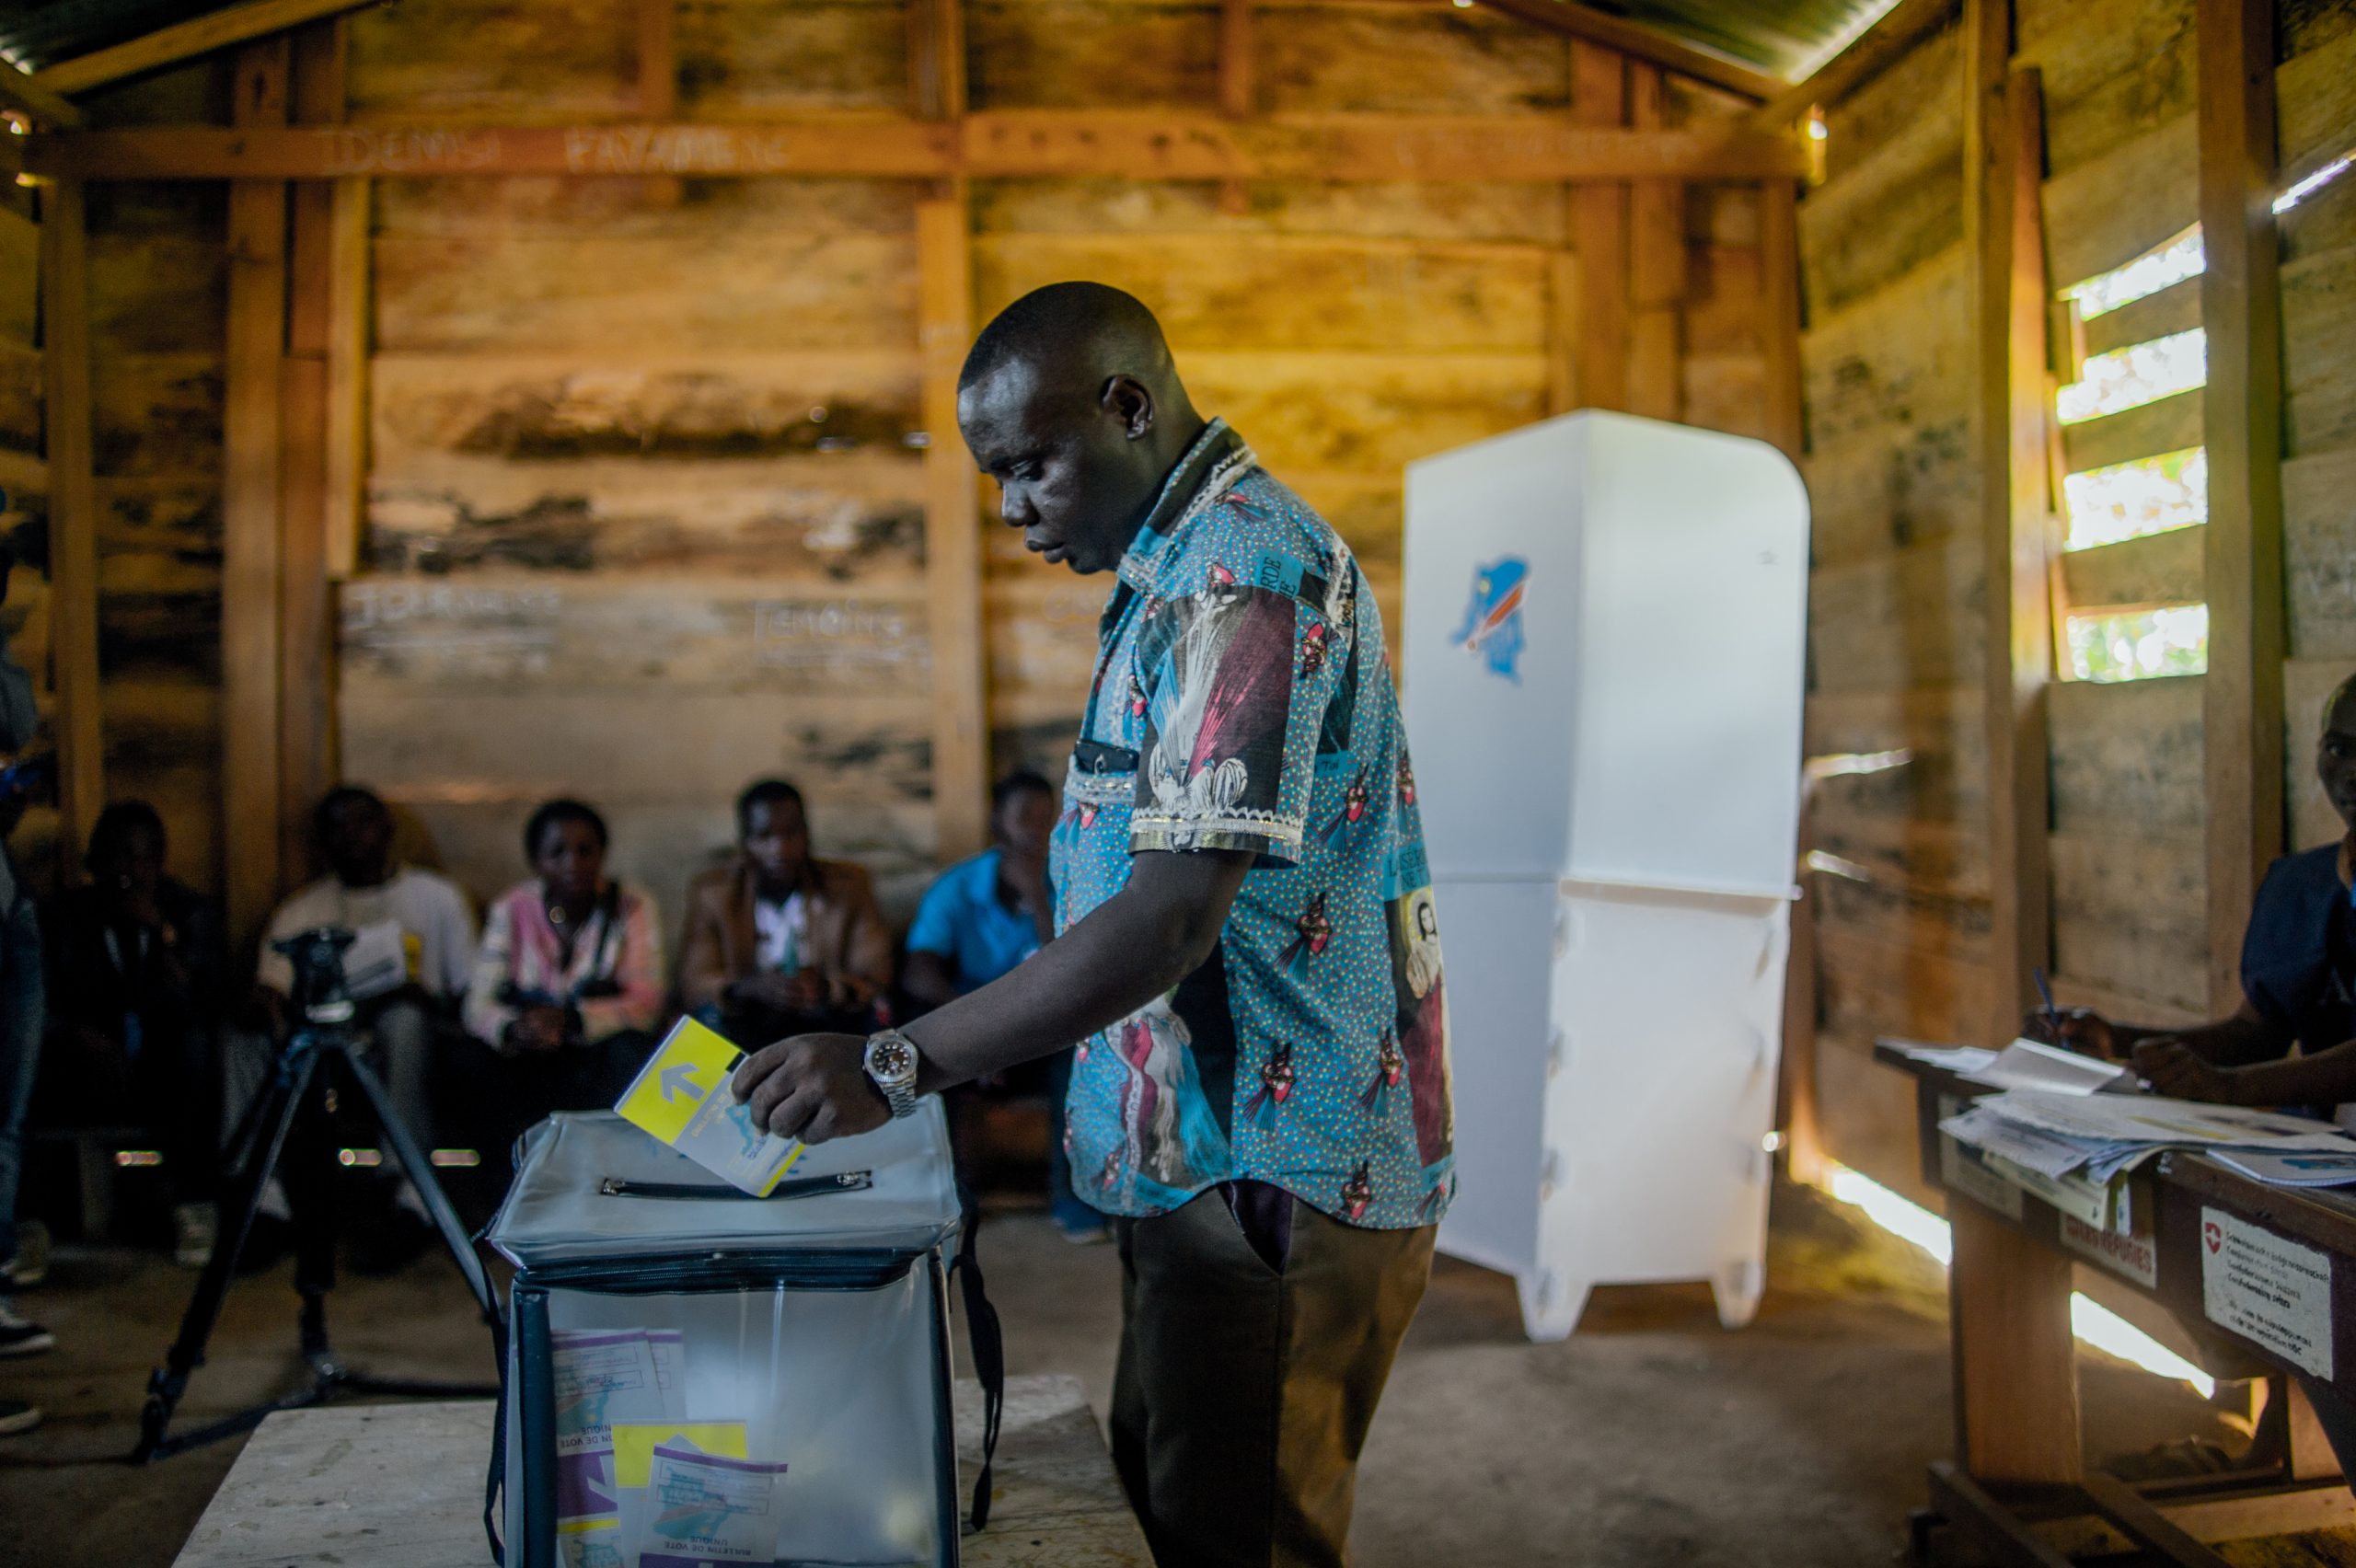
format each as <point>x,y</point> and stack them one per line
<point>681,1096</point>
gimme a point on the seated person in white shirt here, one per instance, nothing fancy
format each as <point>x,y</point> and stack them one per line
<point>367,891</point>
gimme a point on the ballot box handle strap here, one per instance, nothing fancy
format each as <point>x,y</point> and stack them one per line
<point>496,1478</point>
<point>988,1344</point>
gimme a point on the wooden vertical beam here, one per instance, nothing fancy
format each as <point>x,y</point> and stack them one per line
<point>2004,172</point>
<point>1238,87</point>
<point>1779,314</point>
<point>2241,305</point>
<point>349,273</point>
<point>1779,346</point>
<point>658,85</point>
<point>953,567</point>
<point>251,526</point>
<point>72,520</point>
<point>1599,225</point>
<point>1656,269</point>
<point>1564,293</point>
<point>953,523</point>
<point>2015,1372</point>
<point>937,57</point>
<point>307,638</point>
<point>658,62</point>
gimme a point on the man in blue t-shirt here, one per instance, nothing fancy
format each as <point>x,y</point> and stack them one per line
<point>985,915</point>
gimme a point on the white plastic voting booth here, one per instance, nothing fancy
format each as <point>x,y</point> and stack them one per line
<point>1605,656</point>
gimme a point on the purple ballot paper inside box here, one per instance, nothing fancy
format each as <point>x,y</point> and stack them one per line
<point>708,1510</point>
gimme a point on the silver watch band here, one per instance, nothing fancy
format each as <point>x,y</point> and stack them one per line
<point>899,1091</point>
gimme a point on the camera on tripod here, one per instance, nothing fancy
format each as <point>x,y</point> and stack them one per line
<point>322,989</point>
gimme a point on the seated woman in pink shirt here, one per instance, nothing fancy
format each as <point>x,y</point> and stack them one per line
<point>568,985</point>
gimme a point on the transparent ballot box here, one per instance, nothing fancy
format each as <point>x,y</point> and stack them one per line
<point>695,1376</point>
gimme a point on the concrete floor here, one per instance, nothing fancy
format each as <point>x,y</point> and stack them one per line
<point>1651,1437</point>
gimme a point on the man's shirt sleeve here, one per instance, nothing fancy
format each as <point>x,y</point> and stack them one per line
<point>1235,682</point>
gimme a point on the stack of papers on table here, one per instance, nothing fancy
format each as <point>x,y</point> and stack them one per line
<point>2058,1133</point>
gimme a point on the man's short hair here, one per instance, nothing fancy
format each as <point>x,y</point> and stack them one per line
<point>1061,318</point>
<point>117,821</point>
<point>1022,781</point>
<point>767,792</point>
<point>335,800</point>
<point>562,810</point>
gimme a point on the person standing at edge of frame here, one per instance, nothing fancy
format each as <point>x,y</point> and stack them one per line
<point>1247,957</point>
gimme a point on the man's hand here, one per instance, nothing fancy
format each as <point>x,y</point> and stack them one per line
<point>2174,1070</point>
<point>812,1087</point>
<point>2082,1030</point>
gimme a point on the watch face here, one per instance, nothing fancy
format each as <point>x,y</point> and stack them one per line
<point>889,1060</point>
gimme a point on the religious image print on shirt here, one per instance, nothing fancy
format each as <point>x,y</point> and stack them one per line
<point>1219,701</point>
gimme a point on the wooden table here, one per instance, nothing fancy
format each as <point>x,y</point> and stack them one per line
<point>400,1486</point>
<point>2267,1274</point>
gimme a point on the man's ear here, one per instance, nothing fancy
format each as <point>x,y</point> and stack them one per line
<point>1125,399</point>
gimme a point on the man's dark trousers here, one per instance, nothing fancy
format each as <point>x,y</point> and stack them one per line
<point>1245,1389</point>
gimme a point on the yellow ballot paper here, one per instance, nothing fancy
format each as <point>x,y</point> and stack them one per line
<point>635,1442</point>
<point>681,1096</point>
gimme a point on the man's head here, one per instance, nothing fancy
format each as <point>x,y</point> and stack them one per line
<point>126,855</point>
<point>1070,402</point>
<point>1022,815</point>
<point>356,835</point>
<point>2335,756</point>
<point>773,830</point>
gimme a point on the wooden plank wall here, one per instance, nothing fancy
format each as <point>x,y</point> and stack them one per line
<point>644,514</point>
<point>1900,599</point>
<point>158,287</point>
<point>2128,854</point>
<point>1897,615</point>
<point>1346,330</point>
<point>646,500</point>
<point>2315,99</point>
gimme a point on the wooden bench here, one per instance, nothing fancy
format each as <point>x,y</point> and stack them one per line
<point>400,1486</point>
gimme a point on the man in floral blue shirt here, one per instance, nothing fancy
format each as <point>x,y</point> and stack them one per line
<point>1247,953</point>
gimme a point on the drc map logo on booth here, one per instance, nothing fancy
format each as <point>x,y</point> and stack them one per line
<point>1492,626</point>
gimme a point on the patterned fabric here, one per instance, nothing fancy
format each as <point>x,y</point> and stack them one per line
<point>614,977</point>
<point>1244,700</point>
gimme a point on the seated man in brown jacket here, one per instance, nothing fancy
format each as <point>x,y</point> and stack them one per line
<point>779,942</point>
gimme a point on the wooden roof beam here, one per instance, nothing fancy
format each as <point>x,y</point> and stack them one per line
<point>1900,29</point>
<point>1640,42</point>
<point>20,94</point>
<point>1041,142</point>
<point>185,41</point>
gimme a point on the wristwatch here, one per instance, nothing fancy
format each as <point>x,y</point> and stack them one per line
<point>892,1066</point>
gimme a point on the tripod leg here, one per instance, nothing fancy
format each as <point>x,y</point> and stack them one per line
<point>309,1175</point>
<point>420,1170</point>
<point>168,1383</point>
